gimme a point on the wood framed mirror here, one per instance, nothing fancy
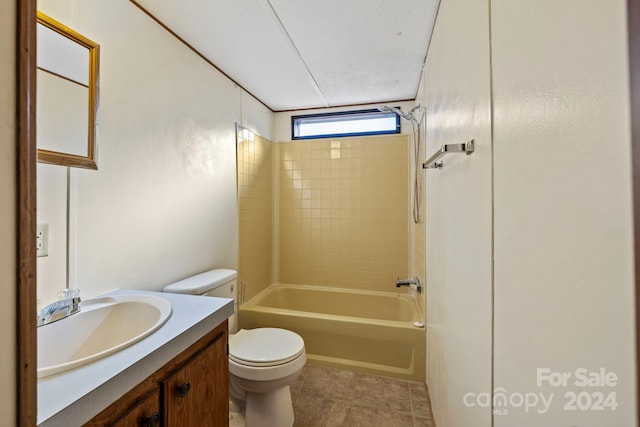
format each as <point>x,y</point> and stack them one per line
<point>67,95</point>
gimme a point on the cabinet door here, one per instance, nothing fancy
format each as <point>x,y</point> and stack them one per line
<point>144,414</point>
<point>197,393</point>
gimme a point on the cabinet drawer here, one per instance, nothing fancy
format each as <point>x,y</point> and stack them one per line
<point>147,413</point>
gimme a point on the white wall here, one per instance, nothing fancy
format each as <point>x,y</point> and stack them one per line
<point>7,211</point>
<point>255,116</point>
<point>562,279</point>
<point>458,214</point>
<point>563,230</point>
<point>52,210</point>
<point>418,231</point>
<point>162,204</point>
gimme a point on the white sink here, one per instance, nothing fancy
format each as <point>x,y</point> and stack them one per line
<point>102,327</point>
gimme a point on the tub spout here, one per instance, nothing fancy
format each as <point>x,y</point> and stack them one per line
<point>412,283</point>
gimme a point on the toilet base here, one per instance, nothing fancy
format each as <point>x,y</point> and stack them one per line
<point>273,409</point>
<point>236,412</point>
<point>236,419</point>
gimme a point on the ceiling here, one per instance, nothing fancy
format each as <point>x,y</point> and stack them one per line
<point>309,54</point>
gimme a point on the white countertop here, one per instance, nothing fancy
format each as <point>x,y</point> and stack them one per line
<point>74,397</point>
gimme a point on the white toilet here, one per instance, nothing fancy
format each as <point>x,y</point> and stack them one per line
<point>263,362</point>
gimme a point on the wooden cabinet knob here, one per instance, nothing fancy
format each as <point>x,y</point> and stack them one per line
<point>184,389</point>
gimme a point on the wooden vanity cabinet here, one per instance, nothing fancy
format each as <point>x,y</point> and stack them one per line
<point>190,390</point>
<point>191,393</point>
<point>146,413</point>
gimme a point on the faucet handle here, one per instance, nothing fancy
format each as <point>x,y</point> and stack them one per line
<point>413,283</point>
<point>69,293</point>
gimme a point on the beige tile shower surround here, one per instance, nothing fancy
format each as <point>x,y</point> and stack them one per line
<point>255,209</point>
<point>341,206</point>
<point>343,212</point>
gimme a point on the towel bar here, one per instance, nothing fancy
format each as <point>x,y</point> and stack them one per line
<point>433,163</point>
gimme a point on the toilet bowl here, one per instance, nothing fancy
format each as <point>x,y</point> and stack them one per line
<point>263,362</point>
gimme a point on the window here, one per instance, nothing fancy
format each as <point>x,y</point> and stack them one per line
<point>347,123</point>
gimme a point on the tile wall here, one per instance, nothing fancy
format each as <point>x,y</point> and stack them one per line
<point>255,208</point>
<point>343,212</point>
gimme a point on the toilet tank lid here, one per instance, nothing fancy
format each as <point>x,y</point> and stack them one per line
<point>203,282</point>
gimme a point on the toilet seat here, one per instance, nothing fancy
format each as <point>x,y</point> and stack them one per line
<point>265,347</point>
<point>276,373</point>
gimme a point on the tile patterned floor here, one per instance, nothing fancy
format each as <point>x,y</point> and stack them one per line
<point>325,397</point>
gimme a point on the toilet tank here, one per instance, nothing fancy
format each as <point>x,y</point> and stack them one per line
<point>219,282</point>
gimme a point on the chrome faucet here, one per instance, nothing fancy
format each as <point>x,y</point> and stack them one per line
<point>65,307</point>
<point>413,283</point>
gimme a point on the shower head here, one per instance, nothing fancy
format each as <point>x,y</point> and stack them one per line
<point>417,107</point>
<point>406,116</point>
<point>387,109</point>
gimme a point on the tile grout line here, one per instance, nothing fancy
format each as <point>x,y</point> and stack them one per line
<point>413,413</point>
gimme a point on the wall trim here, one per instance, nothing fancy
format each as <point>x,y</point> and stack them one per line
<point>211,63</point>
<point>26,393</point>
<point>196,51</point>
<point>346,105</point>
<point>633,28</point>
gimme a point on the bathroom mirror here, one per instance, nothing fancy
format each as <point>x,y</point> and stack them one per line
<point>67,95</point>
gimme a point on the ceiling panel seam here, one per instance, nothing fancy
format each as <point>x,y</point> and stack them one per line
<point>276,18</point>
